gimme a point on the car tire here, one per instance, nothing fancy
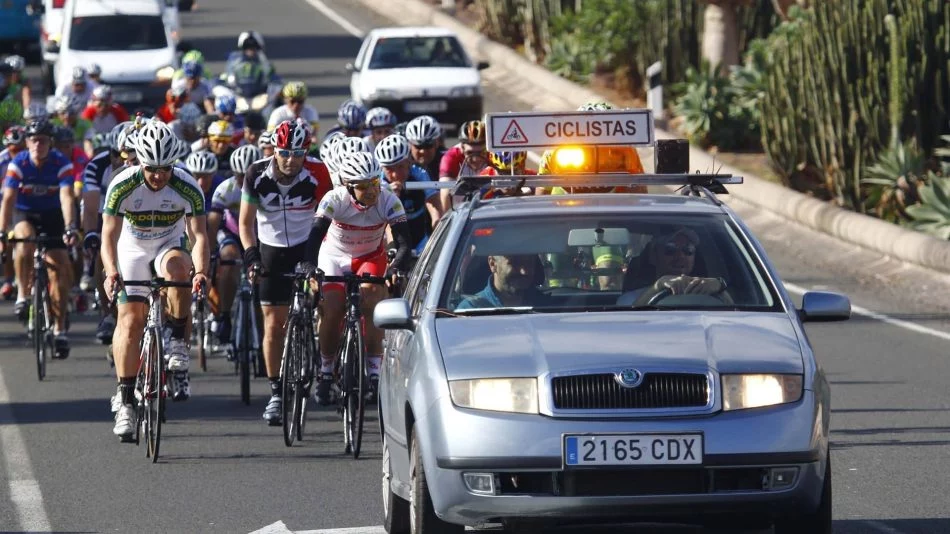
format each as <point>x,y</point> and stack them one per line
<point>395,508</point>
<point>818,521</point>
<point>186,5</point>
<point>48,81</point>
<point>422,518</point>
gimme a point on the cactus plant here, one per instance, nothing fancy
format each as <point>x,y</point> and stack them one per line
<point>932,215</point>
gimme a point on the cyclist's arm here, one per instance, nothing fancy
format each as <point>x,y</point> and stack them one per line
<point>111,229</point>
<point>403,239</point>
<point>90,211</point>
<point>433,204</point>
<point>200,253</point>
<point>214,224</point>
<point>321,225</point>
<point>67,197</point>
<point>7,207</point>
<point>247,224</point>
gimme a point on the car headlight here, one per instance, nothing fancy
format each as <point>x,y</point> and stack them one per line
<point>382,94</point>
<point>462,92</point>
<point>165,73</point>
<point>517,395</point>
<point>753,391</point>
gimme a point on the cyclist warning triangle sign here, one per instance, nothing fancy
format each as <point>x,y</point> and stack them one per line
<point>514,135</point>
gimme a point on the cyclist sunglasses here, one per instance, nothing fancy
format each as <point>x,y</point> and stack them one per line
<point>423,146</point>
<point>670,249</point>
<point>284,153</point>
<point>363,186</point>
<point>158,168</point>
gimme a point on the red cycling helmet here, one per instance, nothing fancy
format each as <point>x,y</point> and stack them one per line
<point>292,135</point>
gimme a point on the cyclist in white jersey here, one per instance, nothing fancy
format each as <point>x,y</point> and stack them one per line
<point>353,221</point>
<point>148,209</point>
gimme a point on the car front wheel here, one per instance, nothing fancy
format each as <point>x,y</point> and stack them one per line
<point>395,508</point>
<point>818,521</point>
<point>422,518</point>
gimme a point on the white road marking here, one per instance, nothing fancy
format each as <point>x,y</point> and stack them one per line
<point>881,527</point>
<point>24,489</point>
<point>336,17</point>
<point>900,323</point>
<point>356,530</point>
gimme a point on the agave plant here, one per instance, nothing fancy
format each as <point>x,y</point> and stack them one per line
<point>932,215</point>
<point>894,181</point>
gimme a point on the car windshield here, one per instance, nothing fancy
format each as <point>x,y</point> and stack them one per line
<point>406,52</point>
<point>606,263</point>
<point>118,32</point>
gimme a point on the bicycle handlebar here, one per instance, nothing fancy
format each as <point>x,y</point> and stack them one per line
<point>155,283</point>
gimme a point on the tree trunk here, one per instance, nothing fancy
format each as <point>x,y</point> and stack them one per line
<point>720,35</point>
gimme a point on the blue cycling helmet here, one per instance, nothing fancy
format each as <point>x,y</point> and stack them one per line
<point>351,115</point>
<point>191,69</point>
<point>225,104</point>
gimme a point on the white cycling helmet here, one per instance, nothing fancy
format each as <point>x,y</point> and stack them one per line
<point>102,92</point>
<point>379,117</point>
<point>359,167</point>
<point>392,150</point>
<point>423,130</point>
<point>242,158</point>
<point>184,148</point>
<point>95,70</point>
<point>119,135</point>
<point>79,75</point>
<point>35,112</point>
<point>67,104</point>
<point>265,140</point>
<point>17,63</point>
<point>327,150</point>
<point>202,162</point>
<point>156,144</point>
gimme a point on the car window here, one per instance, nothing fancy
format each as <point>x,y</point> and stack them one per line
<point>405,52</point>
<point>118,32</point>
<point>607,262</point>
<point>421,276</point>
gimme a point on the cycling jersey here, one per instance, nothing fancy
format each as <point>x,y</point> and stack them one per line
<point>5,158</point>
<point>226,200</point>
<point>357,230</point>
<point>285,212</point>
<point>433,167</point>
<point>82,130</point>
<point>114,115</point>
<point>38,187</point>
<point>98,175</point>
<point>216,181</point>
<point>284,113</point>
<point>452,164</point>
<point>414,204</point>
<point>152,216</point>
<point>201,92</point>
<point>84,97</point>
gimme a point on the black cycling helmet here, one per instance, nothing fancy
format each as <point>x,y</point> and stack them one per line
<point>63,134</point>
<point>203,122</point>
<point>39,127</point>
<point>254,120</point>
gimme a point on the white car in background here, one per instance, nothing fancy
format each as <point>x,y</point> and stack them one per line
<point>416,71</point>
<point>129,39</point>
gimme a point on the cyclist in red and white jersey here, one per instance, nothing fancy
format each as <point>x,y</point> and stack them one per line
<point>278,201</point>
<point>348,237</point>
<point>467,158</point>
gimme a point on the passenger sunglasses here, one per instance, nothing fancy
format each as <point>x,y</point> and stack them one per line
<point>158,168</point>
<point>291,153</point>
<point>363,186</point>
<point>671,249</point>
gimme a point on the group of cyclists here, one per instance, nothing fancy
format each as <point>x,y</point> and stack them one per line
<point>198,191</point>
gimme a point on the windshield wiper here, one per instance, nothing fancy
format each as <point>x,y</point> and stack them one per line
<point>511,310</point>
<point>610,308</point>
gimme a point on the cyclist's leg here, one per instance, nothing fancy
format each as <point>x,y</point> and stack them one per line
<point>174,264</point>
<point>332,307</point>
<point>134,264</point>
<point>23,265</point>
<point>61,283</point>
<point>226,284</point>
<point>275,293</point>
<point>373,265</point>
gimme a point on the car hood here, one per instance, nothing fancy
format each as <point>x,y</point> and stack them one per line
<point>133,66</point>
<point>535,344</point>
<point>437,81</point>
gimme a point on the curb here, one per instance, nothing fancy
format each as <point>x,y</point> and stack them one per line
<point>551,92</point>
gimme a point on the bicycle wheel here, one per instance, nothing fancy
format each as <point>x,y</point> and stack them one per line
<point>305,378</point>
<point>243,351</point>
<point>201,334</point>
<point>39,329</point>
<point>154,395</point>
<point>289,368</point>
<point>353,385</point>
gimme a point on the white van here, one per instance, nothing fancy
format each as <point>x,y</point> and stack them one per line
<point>129,39</point>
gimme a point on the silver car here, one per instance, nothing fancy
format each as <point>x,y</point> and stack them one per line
<point>602,358</point>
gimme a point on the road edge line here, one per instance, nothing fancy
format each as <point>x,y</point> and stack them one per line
<point>337,18</point>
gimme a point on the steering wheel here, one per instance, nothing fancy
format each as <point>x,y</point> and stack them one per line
<point>662,294</point>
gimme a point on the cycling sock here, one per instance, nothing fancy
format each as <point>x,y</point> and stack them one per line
<point>373,363</point>
<point>177,327</point>
<point>326,364</point>
<point>127,390</point>
<point>275,386</point>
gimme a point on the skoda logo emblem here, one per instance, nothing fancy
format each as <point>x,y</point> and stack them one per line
<point>629,378</point>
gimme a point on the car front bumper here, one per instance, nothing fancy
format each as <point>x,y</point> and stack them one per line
<point>524,455</point>
<point>448,111</point>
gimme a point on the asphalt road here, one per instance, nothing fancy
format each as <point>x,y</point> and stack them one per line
<point>223,470</point>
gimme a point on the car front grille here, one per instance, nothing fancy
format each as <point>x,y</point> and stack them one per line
<point>602,392</point>
<point>632,482</point>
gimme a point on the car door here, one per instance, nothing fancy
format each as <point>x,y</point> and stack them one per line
<point>357,66</point>
<point>400,346</point>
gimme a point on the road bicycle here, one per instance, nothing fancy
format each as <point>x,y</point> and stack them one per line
<point>152,377</point>
<point>246,335</point>
<point>297,367</point>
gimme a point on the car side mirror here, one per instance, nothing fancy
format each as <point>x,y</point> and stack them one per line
<point>52,47</point>
<point>482,65</point>
<point>36,8</point>
<point>393,314</point>
<point>349,67</point>
<point>824,306</point>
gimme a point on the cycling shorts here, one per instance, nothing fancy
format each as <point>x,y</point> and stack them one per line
<point>44,222</point>
<point>226,237</point>
<point>373,264</point>
<point>275,288</point>
<point>139,260</point>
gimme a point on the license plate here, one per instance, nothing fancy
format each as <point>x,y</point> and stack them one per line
<point>430,106</point>
<point>633,449</point>
<point>127,96</point>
